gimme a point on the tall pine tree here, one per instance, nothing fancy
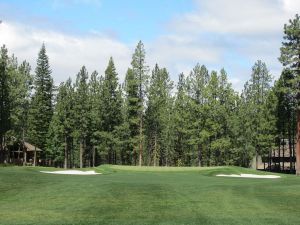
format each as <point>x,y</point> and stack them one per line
<point>41,110</point>
<point>81,114</point>
<point>290,59</point>
<point>4,100</point>
<point>111,112</point>
<point>132,113</point>
<point>140,71</point>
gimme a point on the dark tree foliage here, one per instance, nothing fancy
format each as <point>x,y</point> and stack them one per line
<point>41,109</point>
<point>201,121</point>
<point>290,59</point>
<point>4,100</point>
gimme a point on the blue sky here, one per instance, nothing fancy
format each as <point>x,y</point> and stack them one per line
<point>126,20</point>
<point>177,33</point>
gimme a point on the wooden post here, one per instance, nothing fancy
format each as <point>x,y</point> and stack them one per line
<point>298,144</point>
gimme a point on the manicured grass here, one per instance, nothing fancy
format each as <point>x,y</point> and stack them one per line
<point>133,195</point>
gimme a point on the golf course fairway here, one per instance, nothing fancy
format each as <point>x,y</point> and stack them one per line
<point>146,195</point>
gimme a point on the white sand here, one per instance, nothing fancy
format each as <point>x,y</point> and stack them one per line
<point>243,175</point>
<point>72,172</point>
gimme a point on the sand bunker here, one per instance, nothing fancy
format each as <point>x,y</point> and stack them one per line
<point>72,172</point>
<point>243,175</point>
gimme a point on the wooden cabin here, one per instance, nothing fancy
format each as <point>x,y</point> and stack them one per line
<point>280,159</point>
<point>24,153</point>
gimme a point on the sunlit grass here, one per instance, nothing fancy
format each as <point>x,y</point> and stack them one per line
<point>146,195</point>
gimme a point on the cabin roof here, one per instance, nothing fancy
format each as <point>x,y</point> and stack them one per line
<point>31,148</point>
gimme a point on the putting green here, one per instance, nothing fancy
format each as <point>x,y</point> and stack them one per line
<point>147,195</point>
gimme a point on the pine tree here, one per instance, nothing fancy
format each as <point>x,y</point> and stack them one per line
<point>95,87</point>
<point>81,109</point>
<point>140,70</point>
<point>290,59</point>
<point>20,86</point>
<point>198,81</point>
<point>182,118</point>
<point>41,110</point>
<point>111,112</point>
<point>157,116</point>
<point>255,94</point>
<point>227,112</point>
<point>286,112</point>
<point>132,113</point>
<point>4,100</point>
<point>63,123</point>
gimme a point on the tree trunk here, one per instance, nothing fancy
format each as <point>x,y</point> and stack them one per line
<point>81,153</point>
<point>298,144</point>
<point>24,157</point>
<point>24,149</point>
<point>141,141</point>
<point>155,151</point>
<point>256,159</point>
<point>293,148</point>
<point>290,149</point>
<point>1,149</point>
<point>270,160</point>
<point>94,156</point>
<point>66,153</point>
<point>199,155</point>
<point>283,148</point>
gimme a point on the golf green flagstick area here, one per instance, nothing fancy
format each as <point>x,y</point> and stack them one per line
<point>147,195</point>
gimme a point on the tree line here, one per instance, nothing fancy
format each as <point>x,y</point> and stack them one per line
<point>147,119</point>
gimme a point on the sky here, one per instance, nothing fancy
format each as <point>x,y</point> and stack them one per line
<point>177,34</point>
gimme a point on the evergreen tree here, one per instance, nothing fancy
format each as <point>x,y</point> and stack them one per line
<point>63,123</point>
<point>182,117</point>
<point>198,81</point>
<point>290,59</point>
<point>286,112</point>
<point>95,87</point>
<point>132,106</point>
<point>140,70</point>
<point>20,86</point>
<point>81,109</point>
<point>255,94</point>
<point>157,116</point>
<point>4,100</point>
<point>111,112</point>
<point>40,112</point>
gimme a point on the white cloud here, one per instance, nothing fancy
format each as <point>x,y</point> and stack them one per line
<point>248,30</point>
<point>175,51</point>
<point>238,17</point>
<point>67,53</point>
<point>232,34</point>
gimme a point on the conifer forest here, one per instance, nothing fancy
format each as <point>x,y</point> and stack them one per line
<point>148,119</point>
